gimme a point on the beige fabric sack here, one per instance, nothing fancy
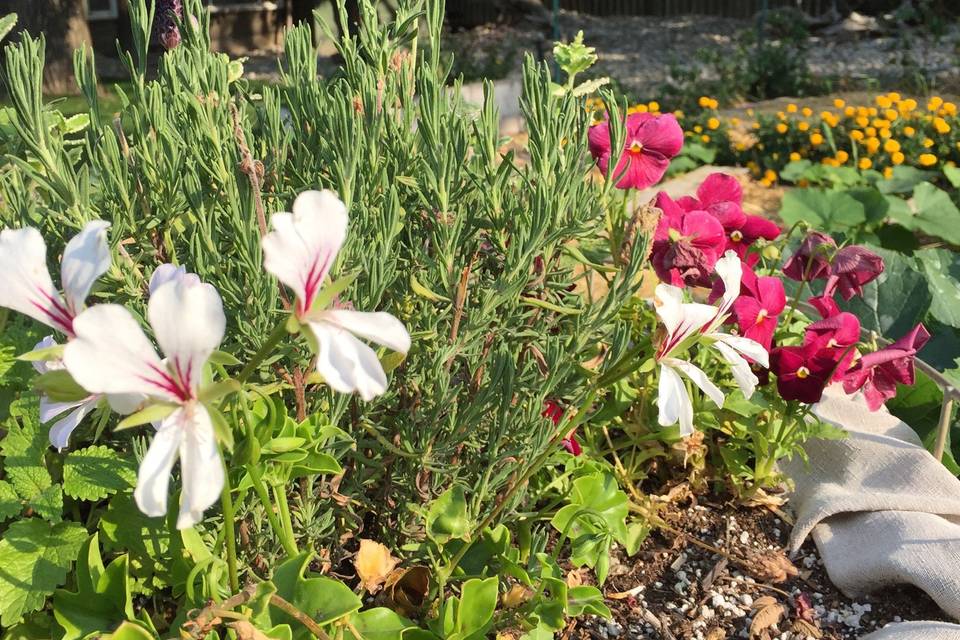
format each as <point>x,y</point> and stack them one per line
<point>916,631</point>
<point>881,509</point>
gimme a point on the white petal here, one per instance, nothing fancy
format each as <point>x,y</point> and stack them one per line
<point>671,394</point>
<point>168,273</point>
<point>379,327</point>
<point>112,355</point>
<point>44,366</point>
<point>346,364</point>
<point>126,403</point>
<point>750,348</point>
<point>303,245</point>
<point>668,302</point>
<point>50,409</point>
<point>699,378</point>
<point>153,479</point>
<point>85,258</point>
<point>740,369</point>
<point>61,430</point>
<point>27,287</point>
<point>188,321</point>
<point>730,272</point>
<point>200,467</point>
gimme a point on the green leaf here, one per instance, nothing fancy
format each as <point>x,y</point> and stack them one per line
<point>214,392</point>
<point>7,23</point>
<point>323,599</point>
<point>224,359</point>
<point>49,353</point>
<point>903,180</point>
<point>146,540</point>
<point>96,472</point>
<point>23,449</point>
<point>942,269</point>
<point>129,631</point>
<point>10,504</point>
<point>478,600</point>
<point>932,212</point>
<point>35,557</point>
<point>153,413</point>
<point>60,386</point>
<point>586,599</point>
<point>574,57</point>
<point>827,210</point>
<point>875,205</point>
<point>953,175</point>
<point>447,517</point>
<point>896,301</point>
<point>379,623</point>
<point>102,597</point>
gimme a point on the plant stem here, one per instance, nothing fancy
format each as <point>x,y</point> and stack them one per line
<point>272,340</point>
<point>281,497</point>
<point>261,490</point>
<point>226,502</point>
<point>301,617</point>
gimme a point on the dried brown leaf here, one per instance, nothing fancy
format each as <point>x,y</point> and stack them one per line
<point>715,572</point>
<point>374,562</point>
<point>806,629</point>
<point>246,631</point>
<point>716,634</point>
<point>407,589</point>
<point>770,566</point>
<point>763,601</point>
<point>766,618</point>
<point>516,596</point>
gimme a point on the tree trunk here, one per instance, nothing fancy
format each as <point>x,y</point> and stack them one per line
<point>64,25</point>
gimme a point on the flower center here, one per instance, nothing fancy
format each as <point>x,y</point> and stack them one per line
<point>803,372</point>
<point>832,343</point>
<point>761,316</point>
<point>736,236</point>
<point>636,146</point>
<point>675,236</point>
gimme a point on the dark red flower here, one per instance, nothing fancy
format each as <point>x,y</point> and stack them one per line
<point>685,244</point>
<point>812,259</point>
<point>825,305</point>
<point>852,268</point>
<point>650,144</point>
<point>553,411</point>
<point>802,372</point>
<point>877,373</point>
<point>571,445</point>
<point>761,301</point>
<point>838,335</point>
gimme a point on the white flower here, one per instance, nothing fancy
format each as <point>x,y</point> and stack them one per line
<point>299,252</point>
<point>27,286</point>
<point>111,354</point>
<point>689,323</point>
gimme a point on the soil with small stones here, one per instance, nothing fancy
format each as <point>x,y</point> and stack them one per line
<point>673,589</point>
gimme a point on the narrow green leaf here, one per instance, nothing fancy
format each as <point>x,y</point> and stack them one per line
<point>153,413</point>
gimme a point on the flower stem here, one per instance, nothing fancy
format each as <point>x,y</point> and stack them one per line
<point>260,488</point>
<point>268,345</point>
<point>281,497</point>
<point>226,502</point>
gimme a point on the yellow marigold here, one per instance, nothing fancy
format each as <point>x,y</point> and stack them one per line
<point>770,175</point>
<point>863,112</point>
<point>894,96</point>
<point>791,108</point>
<point>891,146</point>
<point>865,163</point>
<point>935,103</point>
<point>842,156</point>
<point>872,144</point>
<point>752,165</point>
<point>698,128</point>
<point>704,101</point>
<point>678,114</point>
<point>713,124</point>
<point>750,112</point>
<point>881,123</point>
<point>870,131</point>
<point>891,115</point>
<point>653,105</point>
<point>941,125</point>
<point>838,103</point>
<point>830,162</point>
<point>908,105</point>
<point>816,139</point>
<point>807,112</point>
<point>862,121</point>
<point>782,127</point>
<point>794,156</point>
<point>850,112</point>
<point>766,183</point>
<point>637,108</point>
<point>714,103</point>
<point>928,142</point>
<point>872,112</point>
<point>949,108</point>
<point>909,131</point>
<point>888,172</point>
<point>857,135</point>
<point>884,102</point>
<point>927,159</point>
<point>705,138</point>
<point>897,158</point>
<point>755,125</point>
<point>803,125</point>
<point>781,115</point>
<point>735,122</point>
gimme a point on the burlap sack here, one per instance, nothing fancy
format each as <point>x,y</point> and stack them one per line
<point>881,509</point>
<point>916,631</point>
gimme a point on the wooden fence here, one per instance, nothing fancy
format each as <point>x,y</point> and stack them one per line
<point>666,8</point>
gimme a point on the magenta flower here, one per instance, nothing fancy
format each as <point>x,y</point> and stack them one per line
<point>802,372</point>
<point>719,195</point>
<point>571,445</point>
<point>838,335</point>
<point>852,268</point>
<point>825,305</point>
<point>877,373</point>
<point>752,229</point>
<point>685,244</point>
<point>761,301</point>
<point>812,259</point>
<point>553,411</point>
<point>650,144</point>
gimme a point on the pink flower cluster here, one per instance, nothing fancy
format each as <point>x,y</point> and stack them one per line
<point>651,142</point>
<point>829,350</point>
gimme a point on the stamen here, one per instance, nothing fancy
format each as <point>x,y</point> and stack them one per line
<point>803,372</point>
